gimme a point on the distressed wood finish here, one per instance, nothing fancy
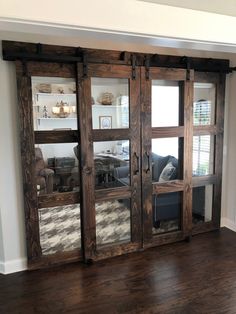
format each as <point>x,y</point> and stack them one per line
<point>205,227</point>
<point>111,135</point>
<point>133,134</point>
<point>217,130</point>
<point>206,130</point>
<point>146,152</point>
<point>19,50</point>
<point>136,223</point>
<point>187,165</point>
<point>58,199</point>
<point>88,221</point>
<point>115,249</point>
<point>168,74</point>
<point>185,154</point>
<point>47,69</point>
<point>206,77</point>
<point>109,194</point>
<point>83,64</point>
<point>204,180</point>
<point>51,137</point>
<point>173,186</point>
<point>28,167</point>
<point>168,132</point>
<point>165,238</point>
<point>109,70</point>
<point>219,149</point>
<point>28,140</point>
<point>56,259</point>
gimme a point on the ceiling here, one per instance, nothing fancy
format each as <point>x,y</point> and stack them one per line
<point>226,7</point>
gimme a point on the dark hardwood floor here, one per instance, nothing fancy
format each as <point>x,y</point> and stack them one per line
<point>195,277</point>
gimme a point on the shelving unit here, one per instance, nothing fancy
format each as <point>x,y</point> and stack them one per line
<point>50,100</point>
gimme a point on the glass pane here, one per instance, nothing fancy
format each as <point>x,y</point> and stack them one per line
<point>54,103</point>
<point>202,204</point>
<point>165,103</point>
<point>113,222</point>
<point>167,209</point>
<point>203,155</point>
<point>166,161</point>
<point>204,104</point>
<point>59,228</point>
<point>112,166</point>
<point>56,168</point>
<point>110,103</point>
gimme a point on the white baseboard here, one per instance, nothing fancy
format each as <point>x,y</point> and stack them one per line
<point>230,224</point>
<point>13,266</point>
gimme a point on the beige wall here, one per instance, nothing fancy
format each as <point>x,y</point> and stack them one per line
<point>11,195</point>
<point>229,181</point>
<point>123,16</point>
<point>11,198</point>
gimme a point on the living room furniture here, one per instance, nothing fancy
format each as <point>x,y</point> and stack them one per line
<point>163,124</point>
<point>44,175</point>
<point>166,206</point>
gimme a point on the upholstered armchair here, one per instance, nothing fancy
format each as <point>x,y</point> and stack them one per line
<point>44,175</point>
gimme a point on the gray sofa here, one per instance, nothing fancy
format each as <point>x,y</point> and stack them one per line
<point>166,206</point>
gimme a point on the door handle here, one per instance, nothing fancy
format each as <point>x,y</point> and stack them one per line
<point>136,171</point>
<point>148,162</point>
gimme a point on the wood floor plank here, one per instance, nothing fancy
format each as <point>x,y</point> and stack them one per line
<point>195,277</point>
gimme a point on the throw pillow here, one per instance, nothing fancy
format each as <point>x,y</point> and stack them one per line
<point>159,164</point>
<point>168,173</point>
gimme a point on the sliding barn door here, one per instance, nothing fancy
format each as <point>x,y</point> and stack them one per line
<point>166,154</point>
<point>208,126</point>
<point>109,113</point>
<point>50,166</point>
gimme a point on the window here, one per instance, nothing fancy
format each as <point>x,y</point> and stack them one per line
<point>203,155</point>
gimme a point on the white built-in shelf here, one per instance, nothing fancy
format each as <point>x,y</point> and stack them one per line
<point>106,106</point>
<point>55,94</point>
<point>63,119</point>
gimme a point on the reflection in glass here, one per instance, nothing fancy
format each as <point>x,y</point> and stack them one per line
<point>165,159</point>
<point>110,103</point>
<point>54,103</point>
<point>203,155</point>
<point>204,104</point>
<point>56,168</point>
<point>59,228</point>
<point>165,103</point>
<point>202,204</point>
<point>167,210</point>
<point>111,162</point>
<point>113,222</point>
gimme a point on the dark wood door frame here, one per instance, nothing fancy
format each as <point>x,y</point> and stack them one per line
<point>68,62</point>
<point>29,138</point>
<point>185,132</point>
<point>88,137</point>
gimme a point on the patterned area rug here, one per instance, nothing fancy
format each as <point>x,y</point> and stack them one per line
<point>167,226</point>
<point>60,226</point>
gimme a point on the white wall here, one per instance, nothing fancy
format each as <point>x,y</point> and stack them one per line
<point>11,198</point>
<point>123,16</point>
<point>229,182</point>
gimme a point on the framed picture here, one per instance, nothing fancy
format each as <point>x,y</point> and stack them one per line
<point>105,122</point>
